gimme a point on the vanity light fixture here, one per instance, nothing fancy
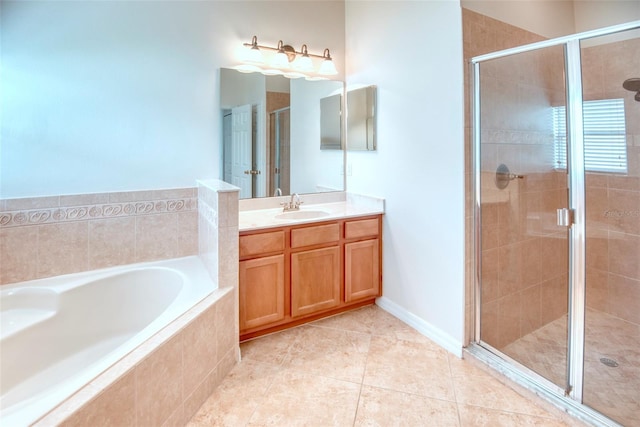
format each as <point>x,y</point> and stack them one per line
<point>286,61</point>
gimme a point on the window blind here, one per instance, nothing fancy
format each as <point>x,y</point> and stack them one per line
<point>605,143</point>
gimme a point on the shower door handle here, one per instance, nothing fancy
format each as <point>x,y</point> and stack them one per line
<point>565,217</point>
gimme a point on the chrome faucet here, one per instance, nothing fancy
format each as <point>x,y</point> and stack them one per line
<point>292,205</point>
<point>277,193</point>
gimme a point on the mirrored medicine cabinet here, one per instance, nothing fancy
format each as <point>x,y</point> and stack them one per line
<point>285,136</point>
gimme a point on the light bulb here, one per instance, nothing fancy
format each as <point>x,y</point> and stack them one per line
<point>303,63</point>
<point>280,60</point>
<point>328,68</point>
<point>254,56</point>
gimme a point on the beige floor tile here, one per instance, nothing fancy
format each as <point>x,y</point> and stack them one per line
<point>236,399</point>
<point>409,367</point>
<point>379,407</point>
<point>363,368</point>
<point>488,392</point>
<point>387,325</point>
<point>333,353</point>
<point>462,368</point>
<point>360,320</point>
<point>297,399</point>
<point>479,417</point>
<point>272,349</point>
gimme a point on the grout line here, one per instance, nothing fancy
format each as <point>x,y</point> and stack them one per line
<point>364,373</point>
<point>453,386</point>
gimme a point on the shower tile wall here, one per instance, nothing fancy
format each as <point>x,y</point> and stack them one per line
<point>523,252</point>
<point>613,201</point>
<point>48,236</point>
<point>276,101</point>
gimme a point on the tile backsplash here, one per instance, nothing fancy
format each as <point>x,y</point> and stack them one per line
<point>48,236</point>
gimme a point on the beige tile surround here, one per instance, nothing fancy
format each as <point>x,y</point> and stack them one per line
<point>613,202</point>
<point>523,252</point>
<point>49,236</point>
<point>165,380</point>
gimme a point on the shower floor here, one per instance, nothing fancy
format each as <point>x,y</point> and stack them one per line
<point>614,391</point>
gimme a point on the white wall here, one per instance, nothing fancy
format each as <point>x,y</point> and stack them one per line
<point>118,95</point>
<point>554,18</point>
<point>548,18</point>
<point>412,51</point>
<point>590,15</point>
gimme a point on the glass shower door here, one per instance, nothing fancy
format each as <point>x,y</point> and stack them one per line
<point>611,117</point>
<point>523,181</point>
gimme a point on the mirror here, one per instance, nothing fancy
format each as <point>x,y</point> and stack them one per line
<point>361,119</point>
<point>272,131</point>
<point>331,123</point>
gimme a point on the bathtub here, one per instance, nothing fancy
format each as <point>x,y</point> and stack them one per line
<point>58,334</point>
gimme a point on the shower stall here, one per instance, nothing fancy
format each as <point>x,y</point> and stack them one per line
<point>556,136</point>
<point>279,151</point>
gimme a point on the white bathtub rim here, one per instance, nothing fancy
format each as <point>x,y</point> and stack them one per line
<point>58,290</point>
<point>71,280</point>
<point>89,392</point>
<point>16,415</point>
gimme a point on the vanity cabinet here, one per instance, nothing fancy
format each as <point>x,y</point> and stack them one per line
<point>295,274</point>
<point>315,274</point>
<point>362,267</point>
<point>262,298</point>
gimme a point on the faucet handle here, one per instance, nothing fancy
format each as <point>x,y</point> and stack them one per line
<point>286,206</point>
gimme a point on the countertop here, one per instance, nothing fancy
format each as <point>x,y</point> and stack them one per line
<point>354,206</point>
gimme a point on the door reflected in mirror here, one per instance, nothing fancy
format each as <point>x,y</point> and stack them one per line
<point>272,132</point>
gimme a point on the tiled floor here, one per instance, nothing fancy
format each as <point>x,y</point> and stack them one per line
<point>614,391</point>
<point>367,368</point>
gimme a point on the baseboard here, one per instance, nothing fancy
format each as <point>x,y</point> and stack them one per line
<point>425,328</point>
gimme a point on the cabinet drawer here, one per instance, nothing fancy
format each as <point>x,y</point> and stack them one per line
<point>256,244</point>
<point>361,228</point>
<point>315,235</point>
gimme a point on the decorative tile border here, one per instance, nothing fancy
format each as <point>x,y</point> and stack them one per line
<point>95,211</point>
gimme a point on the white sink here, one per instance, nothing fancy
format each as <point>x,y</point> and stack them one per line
<point>302,214</point>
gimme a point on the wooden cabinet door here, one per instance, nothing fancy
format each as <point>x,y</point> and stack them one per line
<point>261,291</point>
<point>362,269</point>
<point>315,280</point>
